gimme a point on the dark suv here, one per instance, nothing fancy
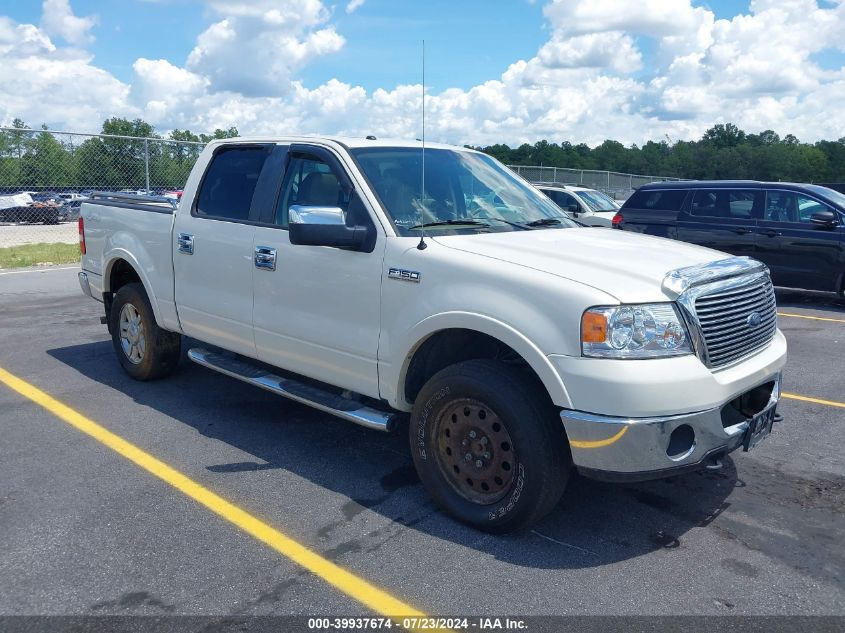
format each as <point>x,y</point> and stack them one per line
<point>796,230</point>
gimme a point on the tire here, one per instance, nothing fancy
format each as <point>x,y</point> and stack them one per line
<point>519,456</point>
<point>145,351</point>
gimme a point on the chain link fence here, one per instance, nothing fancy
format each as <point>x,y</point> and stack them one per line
<point>617,185</point>
<point>45,176</point>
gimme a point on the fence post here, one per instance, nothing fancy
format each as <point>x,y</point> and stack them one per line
<point>608,181</point>
<point>554,174</point>
<point>147,163</point>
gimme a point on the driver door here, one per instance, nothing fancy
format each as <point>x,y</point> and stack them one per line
<point>316,310</point>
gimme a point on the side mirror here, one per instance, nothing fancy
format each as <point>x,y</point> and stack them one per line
<point>574,209</point>
<point>826,219</point>
<point>323,226</point>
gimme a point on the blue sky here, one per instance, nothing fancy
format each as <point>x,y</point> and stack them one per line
<point>467,41</point>
<point>497,70</point>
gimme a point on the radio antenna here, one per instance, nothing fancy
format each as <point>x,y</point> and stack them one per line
<point>422,245</point>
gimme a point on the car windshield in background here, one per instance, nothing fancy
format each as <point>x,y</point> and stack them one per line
<point>465,192</point>
<point>597,201</point>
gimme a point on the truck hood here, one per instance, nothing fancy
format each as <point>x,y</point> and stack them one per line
<point>628,266</point>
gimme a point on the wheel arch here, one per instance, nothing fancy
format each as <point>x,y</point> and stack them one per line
<point>446,339</point>
<point>120,269</point>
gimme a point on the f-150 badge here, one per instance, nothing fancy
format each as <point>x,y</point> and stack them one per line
<point>404,275</point>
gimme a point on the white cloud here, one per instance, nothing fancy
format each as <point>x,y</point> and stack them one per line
<point>353,5</point>
<point>58,19</point>
<point>591,80</point>
<point>612,50</point>
<point>257,47</point>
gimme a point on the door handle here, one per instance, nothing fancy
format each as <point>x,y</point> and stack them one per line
<point>186,243</point>
<point>772,233</point>
<point>742,231</point>
<point>265,258</point>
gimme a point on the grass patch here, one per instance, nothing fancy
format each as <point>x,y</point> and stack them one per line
<point>34,254</point>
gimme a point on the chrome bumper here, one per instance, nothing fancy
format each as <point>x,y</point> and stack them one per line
<point>633,449</point>
<point>86,287</point>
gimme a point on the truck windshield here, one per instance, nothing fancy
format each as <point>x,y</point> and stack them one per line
<point>465,192</point>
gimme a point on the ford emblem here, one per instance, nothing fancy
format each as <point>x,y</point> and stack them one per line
<point>754,319</point>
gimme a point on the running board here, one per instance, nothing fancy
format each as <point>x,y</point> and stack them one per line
<point>339,406</point>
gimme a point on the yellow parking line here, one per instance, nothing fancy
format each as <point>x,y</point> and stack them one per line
<point>357,588</point>
<point>830,403</point>
<point>813,318</point>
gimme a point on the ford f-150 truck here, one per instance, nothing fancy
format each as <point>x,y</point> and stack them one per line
<point>391,284</point>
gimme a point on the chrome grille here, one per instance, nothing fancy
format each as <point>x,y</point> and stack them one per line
<point>724,315</point>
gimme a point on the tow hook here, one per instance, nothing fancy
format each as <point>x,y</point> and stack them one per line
<point>714,463</point>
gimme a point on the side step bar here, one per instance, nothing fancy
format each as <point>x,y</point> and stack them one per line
<point>344,408</point>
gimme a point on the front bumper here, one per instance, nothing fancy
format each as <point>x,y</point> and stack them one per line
<point>636,449</point>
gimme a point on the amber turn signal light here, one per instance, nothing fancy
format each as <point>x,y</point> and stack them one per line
<point>593,328</point>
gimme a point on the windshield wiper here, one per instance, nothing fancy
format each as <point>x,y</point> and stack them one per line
<point>543,222</point>
<point>449,223</point>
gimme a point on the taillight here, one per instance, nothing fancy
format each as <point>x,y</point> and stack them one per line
<point>617,220</point>
<point>81,236</point>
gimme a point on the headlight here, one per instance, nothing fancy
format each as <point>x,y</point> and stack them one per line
<point>634,331</point>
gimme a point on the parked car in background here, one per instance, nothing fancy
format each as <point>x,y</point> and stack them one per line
<point>588,206</point>
<point>30,206</point>
<point>797,230</point>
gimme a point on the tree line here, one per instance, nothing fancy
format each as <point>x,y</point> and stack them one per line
<point>44,159</point>
<point>723,152</point>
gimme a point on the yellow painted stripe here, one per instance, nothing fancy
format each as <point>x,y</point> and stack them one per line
<point>812,318</point>
<point>830,403</point>
<point>598,443</point>
<point>357,588</point>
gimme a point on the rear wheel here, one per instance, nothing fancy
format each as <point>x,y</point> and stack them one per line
<point>145,351</point>
<point>488,446</point>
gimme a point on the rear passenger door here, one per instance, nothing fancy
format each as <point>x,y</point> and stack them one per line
<point>799,254</point>
<point>212,251</point>
<point>722,219</point>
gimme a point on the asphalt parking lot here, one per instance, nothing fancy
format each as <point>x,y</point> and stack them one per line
<point>85,531</point>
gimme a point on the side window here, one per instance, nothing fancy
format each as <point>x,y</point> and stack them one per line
<point>734,204</point>
<point>808,206</point>
<point>309,182</point>
<point>657,199</point>
<point>781,206</point>
<point>565,200</point>
<point>709,203</point>
<point>229,183</point>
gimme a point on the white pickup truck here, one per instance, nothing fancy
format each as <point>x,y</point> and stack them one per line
<point>340,274</point>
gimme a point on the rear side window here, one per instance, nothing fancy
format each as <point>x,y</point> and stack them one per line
<point>657,199</point>
<point>737,204</point>
<point>229,183</point>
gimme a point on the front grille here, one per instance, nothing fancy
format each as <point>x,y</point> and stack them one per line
<point>725,320</point>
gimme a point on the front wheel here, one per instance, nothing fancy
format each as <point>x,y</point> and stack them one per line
<point>145,351</point>
<point>488,447</point>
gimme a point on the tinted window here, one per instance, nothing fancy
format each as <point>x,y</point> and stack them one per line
<point>229,183</point>
<point>737,204</point>
<point>564,200</point>
<point>657,199</point>
<point>310,182</point>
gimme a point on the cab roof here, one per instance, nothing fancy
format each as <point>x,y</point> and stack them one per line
<point>350,142</point>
